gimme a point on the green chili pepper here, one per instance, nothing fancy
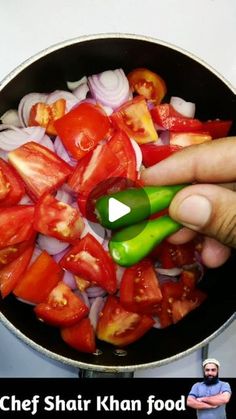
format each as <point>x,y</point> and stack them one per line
<point>133,243</point>
<point>142,202</point>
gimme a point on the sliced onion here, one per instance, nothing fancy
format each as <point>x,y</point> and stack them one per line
<point>95,291</point>
<point>61,150</point>
<point>15,137</point>
<point>169,272</point>
<point>37,251</point>
<point>11,117</point>
<point>185,108</point>
<point>74,84</point>
<point>4,154</point>
<point>25,200</point>
<point>83,296</point>
<point>51,245</point>
<point>119,274</point>
<point>64,196</point>
<point>95,310</point>
<point>138,154</point>
<point>26,104</point>
<point>69,280</point>
<point>95,229</point>
<point>110,88</point>
<point>58,256</point>
<point>47,142</point>
<point>81,91</point>
<point>164,138</point>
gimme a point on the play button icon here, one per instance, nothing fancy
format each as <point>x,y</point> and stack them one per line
<point>117,209</point>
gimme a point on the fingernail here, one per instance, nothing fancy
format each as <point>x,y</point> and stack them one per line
<point>194,211</point>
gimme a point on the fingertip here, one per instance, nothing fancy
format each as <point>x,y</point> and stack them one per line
<point>214,253</point>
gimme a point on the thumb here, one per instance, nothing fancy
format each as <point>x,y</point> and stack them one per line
<point>208,209</point>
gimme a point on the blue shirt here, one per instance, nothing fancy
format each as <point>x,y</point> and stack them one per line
<point>202,390</point>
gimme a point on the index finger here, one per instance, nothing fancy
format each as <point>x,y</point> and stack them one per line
<point>212,162</point>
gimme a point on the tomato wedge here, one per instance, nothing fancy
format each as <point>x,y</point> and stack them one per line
<point>217,128</point>
<point>80,336</point>
<point>57,219</point>
<point>89,260</point>
<point>10,253</point>
<point>45,115</point>
<point>39,279</point>
<point>62,307</point>
<point>11,186</point>
<point>148,84</point>
<point>135,119</point>
<point>185,139</point>
<point>11,273</point>
<point>167,117</point>
<point>82,128</point>
<point>16,224</point>
<point>139,289</point>
<point>153,154</point>
<point>175,255</point>
<point>41,169</point>
<point>120,327</point>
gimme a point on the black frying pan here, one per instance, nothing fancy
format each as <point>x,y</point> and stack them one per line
<point>186,77</point>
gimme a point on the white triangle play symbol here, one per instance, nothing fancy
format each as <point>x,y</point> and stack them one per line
<point>116,209</point>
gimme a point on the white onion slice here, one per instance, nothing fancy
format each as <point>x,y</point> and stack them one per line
<point>138,154</point>
<point>47,142</point>
<point>51,244</point>
<point>15,137</point>
<point>169,272</point>
<point>25,200</point>
<point>110,88</point>
<point>11,117</point>
<point>74,84</point>
<point>95,229</point>
<point>61,150</point>
<point>81,91</point>
<point>95,310</point>
<point>185,108</point>
<point>58,256</point>
<point>95,291</point>
<point>36,253</point>
<point>64,196</point>
<point>69,280</point>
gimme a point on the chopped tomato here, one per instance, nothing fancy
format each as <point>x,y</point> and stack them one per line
<point>62,307</point>
<point>45,115</point>
<point>10,253</point>
<point>139,289</point>
<point>175,255</point>
<point>167,117</point>
<point>39,279</point>
<point>80,336</point>
<point>103,171</point>
<point>153,154</point>
<point>12,273</point>
<point>41,169</point>
<point>189,279</point>
<point>148,84</point>
<point>11,186</point>
<point>89,260</point>
<point>182,307</point>
<point>120,327</point>
<point>185,139</point>
<point>57,219</point>
<point>135,119</point>
<point>16,224</point>
<point>217,128</point>
<point>82,128</point>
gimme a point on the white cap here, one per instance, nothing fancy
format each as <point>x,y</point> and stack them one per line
<point>211,361</point>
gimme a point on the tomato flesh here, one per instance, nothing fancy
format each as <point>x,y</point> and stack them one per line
<point>82,128</point>
<point>153,154</point>
<point>148,84</point>
<point>80,336</point>
<point>120,327</point>
<point>45,115</point>
<point>16,224</point>
<point>139,289</point>
<point>167,117</point>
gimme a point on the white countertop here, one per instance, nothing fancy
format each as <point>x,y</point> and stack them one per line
<point>206,28</point>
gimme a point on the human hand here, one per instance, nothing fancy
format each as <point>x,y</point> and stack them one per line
<point>209,205</point>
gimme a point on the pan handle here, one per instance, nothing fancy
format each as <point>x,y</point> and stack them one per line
<point>104,374</point>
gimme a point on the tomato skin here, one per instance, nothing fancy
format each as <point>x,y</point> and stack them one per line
<point>167,117</point>
<point>175,255</point>
<point>11,273</point>
<point>12,183</point>
<point>153,154</point>
<point>217,128</point>
<point>89,260</point>
<point>82,128</point>
<point>57,219</point>
<point>135,119</point>
<point>120,327</point>
<point>62,307</point>
<point>41,169</point>
<point>139,289</point>
<point>16,224</point>
<point>80,336</point>
<point>39,279</point>
<point>10,253</point>
<point>45,115</point>
<point>148,84</point>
